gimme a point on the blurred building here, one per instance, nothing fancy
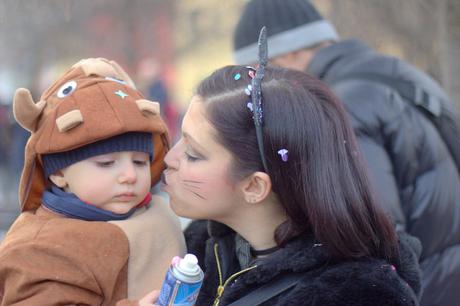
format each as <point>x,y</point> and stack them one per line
<point>203,37</point>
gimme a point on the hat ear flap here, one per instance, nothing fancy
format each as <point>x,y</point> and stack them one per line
<point>25,110</point>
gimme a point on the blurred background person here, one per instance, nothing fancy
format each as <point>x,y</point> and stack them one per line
<point>152,84</point>
<point>12,143</point>
<point>4,156</point>
<point>4,136</point>
<point>413,157</point>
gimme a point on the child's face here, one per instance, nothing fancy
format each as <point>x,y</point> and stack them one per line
<point>116,181</point>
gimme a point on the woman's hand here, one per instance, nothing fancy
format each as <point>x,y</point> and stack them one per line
<point>150,299</point>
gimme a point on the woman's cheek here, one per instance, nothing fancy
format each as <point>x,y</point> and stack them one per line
<point>209,180</point>
<point>197,183</point>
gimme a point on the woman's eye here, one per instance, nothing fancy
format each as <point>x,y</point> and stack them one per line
<point>105,163</point>
<point>191,157</point>
<point>67,89</point>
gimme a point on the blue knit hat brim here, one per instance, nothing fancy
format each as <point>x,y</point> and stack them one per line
<point>132,141</point>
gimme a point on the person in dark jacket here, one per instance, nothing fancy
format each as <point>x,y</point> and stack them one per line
<point>413,168</point>
<point>276,169</point>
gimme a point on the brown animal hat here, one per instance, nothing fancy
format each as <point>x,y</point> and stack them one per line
<point>94,100</point>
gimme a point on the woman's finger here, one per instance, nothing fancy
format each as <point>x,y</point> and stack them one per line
<point>150,299</point>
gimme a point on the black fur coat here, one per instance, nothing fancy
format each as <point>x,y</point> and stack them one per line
<point>325,281</point>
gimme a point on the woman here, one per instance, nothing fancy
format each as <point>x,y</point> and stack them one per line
<point>296,205</point>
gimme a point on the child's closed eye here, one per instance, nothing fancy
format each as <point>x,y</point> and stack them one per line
<point>105,163</point>
<point>141,162</point>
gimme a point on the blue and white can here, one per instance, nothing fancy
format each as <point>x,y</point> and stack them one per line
<point>182,283</point>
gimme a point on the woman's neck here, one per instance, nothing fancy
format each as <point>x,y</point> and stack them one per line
<point>258,224</point>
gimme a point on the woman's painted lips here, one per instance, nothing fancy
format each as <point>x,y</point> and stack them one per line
<point>163,178</point>
<point>164,184</point>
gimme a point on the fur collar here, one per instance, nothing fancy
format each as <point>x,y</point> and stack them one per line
<point>304,253</point>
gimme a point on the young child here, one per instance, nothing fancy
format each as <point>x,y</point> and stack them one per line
<point>90,232</point>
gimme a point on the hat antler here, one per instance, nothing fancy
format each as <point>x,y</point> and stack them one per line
<point>25,110</point>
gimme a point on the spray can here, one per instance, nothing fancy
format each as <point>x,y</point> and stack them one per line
<point>182,282</point>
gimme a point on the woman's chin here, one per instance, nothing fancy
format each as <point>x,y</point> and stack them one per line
<point>173,206</point>
<point>177,208</point>
<point>165,188</point>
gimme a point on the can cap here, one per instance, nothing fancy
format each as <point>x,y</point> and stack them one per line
<point>189,265</point>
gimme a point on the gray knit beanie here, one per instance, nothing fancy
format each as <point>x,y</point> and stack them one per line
<point>291,25</point>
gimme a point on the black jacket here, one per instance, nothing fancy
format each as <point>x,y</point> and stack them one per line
<point>324,280</point>
<point>412,169</point>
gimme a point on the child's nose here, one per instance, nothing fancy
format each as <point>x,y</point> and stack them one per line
<point>128,174</point>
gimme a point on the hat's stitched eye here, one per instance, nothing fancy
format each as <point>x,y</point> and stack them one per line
<point>67,89</point>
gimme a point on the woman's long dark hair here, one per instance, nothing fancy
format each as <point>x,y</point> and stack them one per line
<point>323,186</point>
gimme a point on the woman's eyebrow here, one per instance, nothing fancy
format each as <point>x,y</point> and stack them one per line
<point>193,141</point>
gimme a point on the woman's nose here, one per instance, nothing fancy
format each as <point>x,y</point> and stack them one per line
<point>171,158</point>
<point>128,174</point>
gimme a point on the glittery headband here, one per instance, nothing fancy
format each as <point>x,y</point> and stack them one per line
<point>254,90</point>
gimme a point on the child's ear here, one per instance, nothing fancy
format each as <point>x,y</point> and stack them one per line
<point>256,187</point>
<point>58,179</point>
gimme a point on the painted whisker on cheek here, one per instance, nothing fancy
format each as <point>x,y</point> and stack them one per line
<point>192,186</point>
<point>198,195</point>
<point>193,182</point>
